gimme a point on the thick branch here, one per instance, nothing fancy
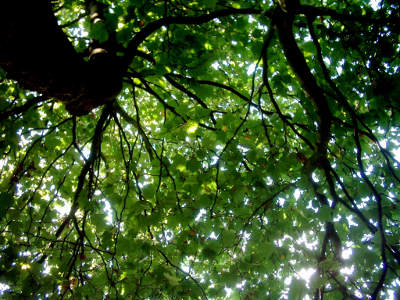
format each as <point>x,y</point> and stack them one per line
<point>284,22</point>
<point>21,109</point>
<point>35,52</point>
<point>190,20</point>
<point>312,11</point>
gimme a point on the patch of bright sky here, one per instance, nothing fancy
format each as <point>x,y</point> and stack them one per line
<point>351,222</point>
<point>314,177</point>
<point>3,288</point>
<point>213,236</point>
<point>168,235</point>
<point>347,270</point>
<point>310,206</point>
<point>309,244</point>
<point>245,238</point>
<point>108,211</point>
<point>240,285</point>
<point>251,68</point>
<point>297,193</point>
<point>375,4</point>
<point>346,253</point>
<point>63,210</point>
<point>228,291</point>
<point>201,213</point>
<point>306,274</point>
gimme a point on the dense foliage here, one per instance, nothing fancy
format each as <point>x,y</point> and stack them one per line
<point>253,142</point>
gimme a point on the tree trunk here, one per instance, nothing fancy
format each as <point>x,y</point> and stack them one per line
<point>36,53</point>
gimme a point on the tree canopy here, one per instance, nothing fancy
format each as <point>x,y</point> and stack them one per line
<point>199,149</point>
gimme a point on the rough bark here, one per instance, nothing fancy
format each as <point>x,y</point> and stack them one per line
<point>36,52</point>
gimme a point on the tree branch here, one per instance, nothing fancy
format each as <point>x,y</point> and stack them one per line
<point>312,11</point>
<point>296,60</point>
<point>137,125</point>
<point>189,20</point>
<point>22,108</point>
<point>95,150</point>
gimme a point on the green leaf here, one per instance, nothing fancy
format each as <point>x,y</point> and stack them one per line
<point>173,280</point>
<point>297,289</point>
<point>325,213</point>
<point>6,200</point>
<point>210,3</point>
<point>228,237</point>
<point>99,221</point>
<point>148,191</point>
